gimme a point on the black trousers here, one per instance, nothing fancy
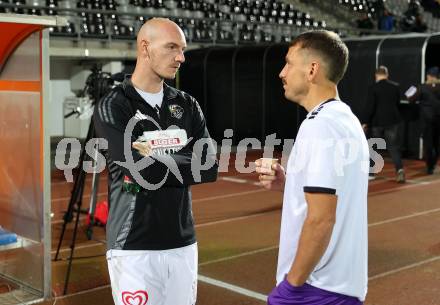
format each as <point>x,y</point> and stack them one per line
<point>431,140</point>
<point>391,137</point>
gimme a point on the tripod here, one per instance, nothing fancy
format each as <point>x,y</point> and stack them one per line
<point>76,200</point>
<point>97,84</point>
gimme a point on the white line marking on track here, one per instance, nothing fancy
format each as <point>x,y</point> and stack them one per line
<point>426,261</point>
<point>68,198</point>
<point>399,188</point>
<point>233,288</point>
<point>88,179</point>
<point>263,297</point>
<point>373,224</point>
<point>403,217</point>
<point>194,200</point>
<point>82,292</point>
<point>229,195</point>
<point>275,247</point>
<point>260,296</point>
<point>201,278</point>
<point>238,255</point>
<point>231,219</point>
<point>79,247</point>
<point>55,222</point>
<point>407,167</point>
<point>232,179</point>
<point>411,181</point>
<point>240,180</point>
<point>256,295</point>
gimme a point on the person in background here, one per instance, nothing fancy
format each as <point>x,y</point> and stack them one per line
<point>428,95</point>
<point>382,116</point>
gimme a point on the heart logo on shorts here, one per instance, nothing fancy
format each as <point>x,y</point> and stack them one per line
<point>139,297</point>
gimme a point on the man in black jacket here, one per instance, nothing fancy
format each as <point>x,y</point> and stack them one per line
<point>382,116</point>
<point>158,146</point>
<point>428,94</point>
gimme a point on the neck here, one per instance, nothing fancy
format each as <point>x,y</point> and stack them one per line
<point>146,80</point>
<point>319,94</point>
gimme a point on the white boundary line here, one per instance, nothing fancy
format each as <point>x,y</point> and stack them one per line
<point>194,200</point>
<point>230,195</point>
<point>261,249</point>
<point>234,288</point>
<point>275,247</point>
<point>68,198</point>
<point>263,297</point>
<point>411,181</point>
<point>374,224</point>
<point>206,224</point>
<point>405,187</point>
<point>78,247</point>
<point>238,255</point>
<point>240,180</point>
<point>267,212</point>
<point>83,292</point>
<point>383,274</point>
<point>201,278</point>
<point>55,222</point>
<point>256,295</point>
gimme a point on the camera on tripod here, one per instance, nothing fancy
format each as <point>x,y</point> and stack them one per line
<point>88,88</point>
<point>98,83</point>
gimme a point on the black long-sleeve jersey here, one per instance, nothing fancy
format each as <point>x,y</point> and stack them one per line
<point>152,218</point>
<point>383,102</point>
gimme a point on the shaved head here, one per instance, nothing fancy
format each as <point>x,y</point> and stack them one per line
<point>157,27</point>
<point>160,47</point>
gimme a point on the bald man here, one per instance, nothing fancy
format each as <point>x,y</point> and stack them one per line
<point>152,249</point>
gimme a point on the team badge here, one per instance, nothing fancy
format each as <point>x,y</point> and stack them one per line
<point>176,111</point>
<point>139,297</point>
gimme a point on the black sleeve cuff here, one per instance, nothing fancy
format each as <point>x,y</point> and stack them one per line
<point>319,190</point>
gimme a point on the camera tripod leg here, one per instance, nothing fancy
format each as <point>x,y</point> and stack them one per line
<point>68,216</point>
<point>76,199</point>
<point>93,201</point>
<point>72,247</point>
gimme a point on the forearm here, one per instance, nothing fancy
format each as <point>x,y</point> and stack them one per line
<point>182,169</point>
<point>314,240</point>
<point>178,169</point>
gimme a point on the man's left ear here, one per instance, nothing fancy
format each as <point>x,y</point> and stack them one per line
<point>314,68</point>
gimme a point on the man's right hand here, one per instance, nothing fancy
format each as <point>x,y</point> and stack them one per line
<point>271,179</point>
<point>144,148</point>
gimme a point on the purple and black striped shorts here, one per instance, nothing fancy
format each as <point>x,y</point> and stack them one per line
<point>286,294</point>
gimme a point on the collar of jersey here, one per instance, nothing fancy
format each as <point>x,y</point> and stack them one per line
<point>320,106</point>
<point>168,91</point>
